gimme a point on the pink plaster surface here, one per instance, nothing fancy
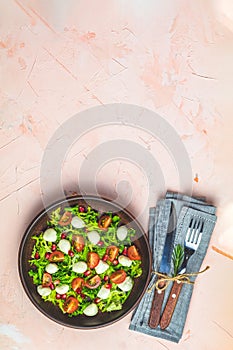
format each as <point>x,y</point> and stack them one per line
<point>58,58</point>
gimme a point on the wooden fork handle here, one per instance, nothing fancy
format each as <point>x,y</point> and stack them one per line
<point>156,307</point>
<point>170,305</point>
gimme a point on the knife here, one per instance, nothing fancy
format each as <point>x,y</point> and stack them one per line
<point>164,269</point>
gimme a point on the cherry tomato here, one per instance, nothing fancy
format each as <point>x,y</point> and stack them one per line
<point>77,283</point>
<point>63,235</point>
<point>65,219</point>
<point>118,276</point>
<point>70,305</point>
<point>93,282</point>
<point>63,296</point>
<point>78,242</point>
<point>97,300</point>
<point>56,256</point>
<point>92,260</point>
<point>46,279</point>
<point>104,221</point>
<point>133,253</point>
<point>37,256</point>
<point>58,296</point>
<point>112,252</point>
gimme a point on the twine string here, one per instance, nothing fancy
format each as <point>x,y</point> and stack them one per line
<point>164,280</point>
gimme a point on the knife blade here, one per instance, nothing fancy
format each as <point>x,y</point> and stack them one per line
<point>164,269</point>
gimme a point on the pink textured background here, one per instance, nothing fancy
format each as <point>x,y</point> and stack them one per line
<point>58,58</point>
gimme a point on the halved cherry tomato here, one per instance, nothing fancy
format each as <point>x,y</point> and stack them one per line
<point>93,282</point>
<point>56,256</point>
<point>65,219</point>
<point>46,279</point>
<point>133,253</point>
<point>78,242</point>
<point>70,305</point>
<point>77,283</point>
<point>112,252</point>
<point>118,276</point>
<point>92,260</point>
<point>104,221</point>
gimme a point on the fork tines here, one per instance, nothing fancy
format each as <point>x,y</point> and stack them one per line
<point>195,231</point>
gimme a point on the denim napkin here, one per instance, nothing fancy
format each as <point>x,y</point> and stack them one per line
<point>186,207</point>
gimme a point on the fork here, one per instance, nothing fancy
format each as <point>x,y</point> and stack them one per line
<point>191,243</point>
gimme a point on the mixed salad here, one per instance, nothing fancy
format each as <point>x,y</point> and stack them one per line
<point>85,262</point>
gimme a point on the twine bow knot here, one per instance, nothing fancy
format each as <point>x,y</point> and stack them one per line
<point>162,283</point>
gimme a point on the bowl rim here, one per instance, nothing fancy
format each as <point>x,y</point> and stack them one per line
<point>28,230</point>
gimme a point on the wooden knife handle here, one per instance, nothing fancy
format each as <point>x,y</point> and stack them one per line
<point>156,306</point>
<point>170,305</point>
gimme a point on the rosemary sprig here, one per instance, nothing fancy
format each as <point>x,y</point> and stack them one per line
<point>177,258</point>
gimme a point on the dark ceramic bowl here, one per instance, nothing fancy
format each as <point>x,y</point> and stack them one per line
<point>81,321</point>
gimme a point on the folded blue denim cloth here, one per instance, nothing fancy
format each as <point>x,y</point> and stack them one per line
<point>186,207</point>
